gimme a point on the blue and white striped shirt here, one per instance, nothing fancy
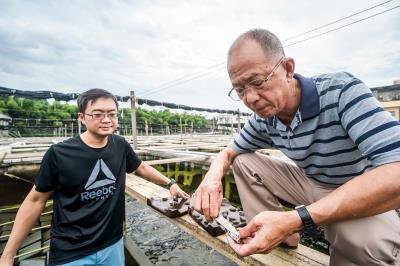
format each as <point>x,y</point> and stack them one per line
<point>339,131</point>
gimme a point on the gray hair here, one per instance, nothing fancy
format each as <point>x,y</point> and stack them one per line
<point>269,42</point>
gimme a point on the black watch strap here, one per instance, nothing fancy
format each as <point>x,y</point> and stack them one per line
<point>172,182</point>
<point>309,226</point>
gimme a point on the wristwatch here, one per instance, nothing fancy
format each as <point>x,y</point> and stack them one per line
<point>309,226</point>
<point>172,182</point>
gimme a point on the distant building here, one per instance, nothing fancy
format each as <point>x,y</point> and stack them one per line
<point>229,122</point>
<point>389,97</point>
<point>4,123</point>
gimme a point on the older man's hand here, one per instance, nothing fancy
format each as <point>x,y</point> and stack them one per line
<point>208,197</point>
<point>265,231</point>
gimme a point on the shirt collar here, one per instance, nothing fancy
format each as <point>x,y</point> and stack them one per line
<point>309,101</point>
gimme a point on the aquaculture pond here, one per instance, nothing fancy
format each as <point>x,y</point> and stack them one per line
<point>161,241</point>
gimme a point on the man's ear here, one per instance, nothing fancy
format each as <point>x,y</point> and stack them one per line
<point>289,66</point>
<point>81,118</point>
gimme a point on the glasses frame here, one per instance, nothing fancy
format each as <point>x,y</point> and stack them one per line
<point>103,115</point>
<point>246,86</point>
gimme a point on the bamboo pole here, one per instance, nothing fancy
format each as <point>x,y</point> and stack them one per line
<point>133,119</point>
<point>239,126</point>
<point>232,131</point>
<point>79,126</point>
<point>180,122</point>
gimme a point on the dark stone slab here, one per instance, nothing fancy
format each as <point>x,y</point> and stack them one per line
<point>171,207</point>
<point>228,211</point>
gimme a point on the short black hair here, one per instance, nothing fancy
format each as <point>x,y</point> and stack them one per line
<point>92,95</point>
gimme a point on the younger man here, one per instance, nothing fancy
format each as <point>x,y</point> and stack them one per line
<point>86,175</point>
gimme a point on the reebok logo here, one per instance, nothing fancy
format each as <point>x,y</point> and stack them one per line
<point>99,189</point>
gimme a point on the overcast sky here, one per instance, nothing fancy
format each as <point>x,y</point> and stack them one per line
<point>71,46</point>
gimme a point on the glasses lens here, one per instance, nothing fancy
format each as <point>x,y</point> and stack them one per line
<point>257,83</point>
<point>98,115</point>
<point>233,94</point>
<point>112,115</point>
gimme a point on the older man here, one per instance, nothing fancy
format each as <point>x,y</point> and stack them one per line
<point>345,149</point>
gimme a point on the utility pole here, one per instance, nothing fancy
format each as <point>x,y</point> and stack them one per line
<point>180,122</point>
<point>238,120</point>
<point>232,124</point>
<point>133,119</point>
<point>79,126</point>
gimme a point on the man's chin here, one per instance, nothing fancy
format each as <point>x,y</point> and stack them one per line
<point>264,114</point>
<point>104,132</point>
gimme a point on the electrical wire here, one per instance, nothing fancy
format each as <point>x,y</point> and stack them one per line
<point>335,21</point>
<point>184,79</point>
<point>341,27</point>
<point>197,75</point>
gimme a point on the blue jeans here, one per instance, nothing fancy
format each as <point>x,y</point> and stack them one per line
<point>111,255</point>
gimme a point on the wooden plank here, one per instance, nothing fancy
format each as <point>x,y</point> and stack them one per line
<point>177,160</point>
<point>141,189</point>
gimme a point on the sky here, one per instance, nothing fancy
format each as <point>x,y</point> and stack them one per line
<point>175,51</point>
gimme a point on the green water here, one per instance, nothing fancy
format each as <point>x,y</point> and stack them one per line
<point>190,175</point>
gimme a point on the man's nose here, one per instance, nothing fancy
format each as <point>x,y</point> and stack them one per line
<point>106,119</point>
<point>250,95</point>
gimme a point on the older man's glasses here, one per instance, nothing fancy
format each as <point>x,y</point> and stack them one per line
<point>101,116</point>
<point>237,93</point>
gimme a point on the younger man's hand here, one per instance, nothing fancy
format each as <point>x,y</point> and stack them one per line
<point>175,190</point>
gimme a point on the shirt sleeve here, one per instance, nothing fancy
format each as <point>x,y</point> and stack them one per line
<point>250,139</point>
<point>132,160</point>
<point>373,130</point>
<point>47,178</point>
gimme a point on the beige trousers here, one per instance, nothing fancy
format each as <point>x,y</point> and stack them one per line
<point>262,179</point>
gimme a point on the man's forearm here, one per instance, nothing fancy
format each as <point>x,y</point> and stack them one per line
<point>27,215</point>
<point>372,193</point>
<point>152,174</point>
<point>221,163</point>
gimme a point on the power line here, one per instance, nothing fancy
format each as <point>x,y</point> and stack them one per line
<point>185,77</point>
<point>341,27</point>
<point>184,80</point>
<point>194,76</point>
<point>336,21</point>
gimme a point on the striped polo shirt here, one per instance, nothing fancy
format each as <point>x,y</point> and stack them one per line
<point>339,131</point>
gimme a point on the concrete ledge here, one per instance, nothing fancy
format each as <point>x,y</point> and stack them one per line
<point>141,189</point>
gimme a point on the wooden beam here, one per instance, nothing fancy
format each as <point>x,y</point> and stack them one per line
<point>141,189</point>
<point>177,160</point>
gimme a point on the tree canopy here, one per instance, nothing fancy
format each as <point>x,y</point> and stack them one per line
<point>25,111</point>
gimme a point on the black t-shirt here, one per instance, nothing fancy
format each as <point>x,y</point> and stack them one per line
<point>89,204</point>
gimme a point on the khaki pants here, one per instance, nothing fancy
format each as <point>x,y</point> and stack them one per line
<point>262,179</point>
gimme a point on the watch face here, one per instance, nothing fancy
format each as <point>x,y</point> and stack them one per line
<point>173,181</point>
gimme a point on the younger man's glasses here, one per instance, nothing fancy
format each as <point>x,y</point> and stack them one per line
<point>101,116</point>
